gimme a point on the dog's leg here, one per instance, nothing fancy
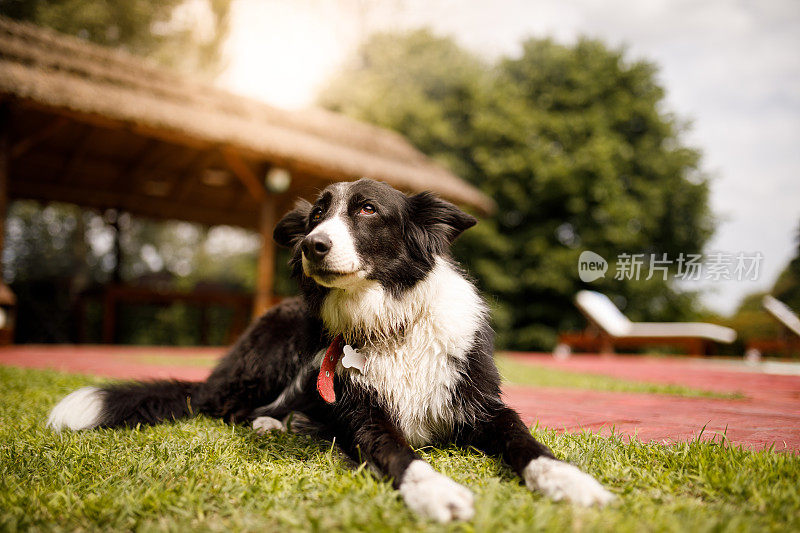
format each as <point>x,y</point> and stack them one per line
<point>505,434</point>
<point>372,436</point>
<point>263,424</point>
<point>294,397</point>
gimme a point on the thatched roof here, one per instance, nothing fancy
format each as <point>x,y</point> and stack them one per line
<point>116,120</point>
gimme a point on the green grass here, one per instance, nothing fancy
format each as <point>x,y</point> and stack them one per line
<point>517,373</point>
<point>202,475</point>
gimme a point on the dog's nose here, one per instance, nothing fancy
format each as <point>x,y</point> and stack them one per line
<point>315,247</point>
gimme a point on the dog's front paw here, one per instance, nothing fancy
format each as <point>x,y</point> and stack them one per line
<point>563,481</point>
<point>432,495</point>
<point>262,424</point>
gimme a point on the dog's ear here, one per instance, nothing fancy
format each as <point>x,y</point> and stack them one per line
<point>435,223</point>
<point>292,226</point>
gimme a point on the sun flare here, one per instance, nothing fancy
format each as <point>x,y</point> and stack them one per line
<point>280,52</point>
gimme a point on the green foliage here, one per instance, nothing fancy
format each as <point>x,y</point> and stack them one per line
<point>751,321</point>
<point>202,475</point>
<point>186,36</point>
<point>787,286</point>
<point>48,264</point>
<point>59,256</point>
<point>574,146</point>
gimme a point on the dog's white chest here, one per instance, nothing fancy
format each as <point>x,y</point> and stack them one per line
<point>415,381</point>
<point>414,373</point>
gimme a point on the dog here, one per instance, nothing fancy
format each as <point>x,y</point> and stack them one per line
<point>378,286</point>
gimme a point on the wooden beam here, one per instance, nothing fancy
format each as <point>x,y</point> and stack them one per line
<point>266,258</point>
<point>139,158</point>
<point>76,156</point>
<point>238,199</point>
<point>189,177</point>
<point>245,174</point>
<point>150,156</point>
<point>23,146</point>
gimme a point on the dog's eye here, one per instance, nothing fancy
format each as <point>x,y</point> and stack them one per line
<point>367,209</point>
<point>316,215</point>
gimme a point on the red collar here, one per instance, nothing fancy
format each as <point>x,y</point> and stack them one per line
<point>328,368</point>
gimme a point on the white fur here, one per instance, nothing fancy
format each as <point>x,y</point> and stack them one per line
<point>342,257</point>
<point>262,424</point>
<point>563,481</point>
<point>430,494</point>
<point>415,345</point>
<point>78,410</point>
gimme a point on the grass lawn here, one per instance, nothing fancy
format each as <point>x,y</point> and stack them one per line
<point>204,475</point>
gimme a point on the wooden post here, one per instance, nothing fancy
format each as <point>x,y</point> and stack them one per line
<point>116,274</point>
<point>5,164</point>
<point>109,316</point>
<point>266,258</point>
<point>606,344</point>
<point>266,222</point>
<point>7,299</point>
<point>110,301</point>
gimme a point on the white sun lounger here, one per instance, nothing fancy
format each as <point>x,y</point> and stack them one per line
<point>609,328</point>
<point>788,340</point>
<point>782,313</point>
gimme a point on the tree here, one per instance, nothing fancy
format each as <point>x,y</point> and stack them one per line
<point>58,255</point>
<point>184,35</point>
<point>573,145</point>
<point>751,321</point>
<point>787,286</point>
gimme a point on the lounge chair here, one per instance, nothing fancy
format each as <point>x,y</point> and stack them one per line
<point>788,341</point>
<point>609,329</point>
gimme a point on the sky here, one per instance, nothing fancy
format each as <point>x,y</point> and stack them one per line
<point>730,68</point>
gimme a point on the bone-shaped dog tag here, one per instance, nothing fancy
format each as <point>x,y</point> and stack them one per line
<point>353,359</point>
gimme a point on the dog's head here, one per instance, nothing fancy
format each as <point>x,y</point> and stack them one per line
<point>367,230</point>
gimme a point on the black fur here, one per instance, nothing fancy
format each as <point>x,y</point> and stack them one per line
<point>147,403</point>
<point>292,226</point>
<point>434,225</point>
<point>399,243</point>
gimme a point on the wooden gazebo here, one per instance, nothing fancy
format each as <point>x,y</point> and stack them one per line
<point>96,127</point>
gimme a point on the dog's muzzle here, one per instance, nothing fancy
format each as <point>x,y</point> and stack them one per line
<point>316,247</point>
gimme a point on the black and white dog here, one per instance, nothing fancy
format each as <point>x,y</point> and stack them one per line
<point>378,284</point>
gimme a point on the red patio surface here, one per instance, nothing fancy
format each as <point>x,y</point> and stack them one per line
<point>768,415</point>
<point>129,362</point>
